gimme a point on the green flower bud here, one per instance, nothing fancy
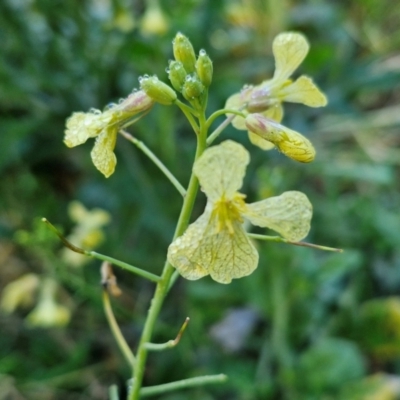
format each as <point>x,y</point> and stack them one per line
<point>177,75</point>
<point>204,68</point>
<point>157,90</point>
<point>193,88</point>
<point>184,52</point>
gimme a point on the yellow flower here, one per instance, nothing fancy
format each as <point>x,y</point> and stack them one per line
<point>217,243</point>
<point>87,233</point>
<point>104,126</point>
<point>289,49</point>
<point>47,312</point>
<point>154,21</point>
<point>19,293</point>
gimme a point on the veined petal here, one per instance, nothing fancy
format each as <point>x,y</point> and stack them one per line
<point>258,141</point>
<point>82,126</point>
<point>290,49</point>
<point>206,249</point>
<point>288,214</point>
<point>221,169</point>
<point>304,91</point>
<point>187,253</point>
<point>103,156</point>
<point>288,141</point>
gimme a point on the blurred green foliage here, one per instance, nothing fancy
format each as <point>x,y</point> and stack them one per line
<point>317,328</point>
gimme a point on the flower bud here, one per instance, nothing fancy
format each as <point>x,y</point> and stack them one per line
<point>184,52</point>
<point>289,142</point>
<point>136,102</point>
<point>193,88</point>
<point>177,75</point>
<point>157,90</point>
<point>204,68</point>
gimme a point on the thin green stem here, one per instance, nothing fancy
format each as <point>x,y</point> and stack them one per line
<point>223,111</point>
<point>140,145</point>
<point>219,129</point>
<point>119,338</point>
<point>183,384</point>
<point>171,343</point>
<point>189,112</point>
<point>302,244</point>
<point>164,284</point>
<point>102,257</point>
<point>113,392</point>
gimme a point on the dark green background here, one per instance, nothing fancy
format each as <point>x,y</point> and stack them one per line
<point>316,333</point>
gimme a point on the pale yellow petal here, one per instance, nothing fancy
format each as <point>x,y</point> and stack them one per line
<point>186,252</point>
<point>82,126</point>
<point>288,141</point>
<point>221,169</point>
<point>304,91</point>
<point>260,142</point>
<point>275,112</point>
<point>288,214</point>
<point>236,102</point>
<point>290,49</point>
<point>206,249</point>
<point>103,156</point>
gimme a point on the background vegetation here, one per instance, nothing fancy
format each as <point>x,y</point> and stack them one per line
<point>306,325</point>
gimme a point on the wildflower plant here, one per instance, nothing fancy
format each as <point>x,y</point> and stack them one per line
<point>217,243</point>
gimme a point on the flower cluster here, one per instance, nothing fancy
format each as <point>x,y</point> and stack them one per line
<point>217,243</point>
<point>266,100</point>
<point>104,127</point>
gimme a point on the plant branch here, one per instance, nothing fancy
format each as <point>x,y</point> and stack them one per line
<point>164,284</point>
<point>223,111</point>
<point>183,384</point>
<point>128,267</point>
<point>219,129</point>
<point>303,244</point>
<point>119,338</point>
<point>171,343</point>
<point>189,112</point>
<point>140,145</point>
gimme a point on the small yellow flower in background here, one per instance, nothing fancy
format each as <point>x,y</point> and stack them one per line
<point>86,234</point>
<point>47,312</point>
<point>290,49</point>
<point>154,21</point>
<point>104,126</point>
<point>217,243</point>
<point>19,293</point>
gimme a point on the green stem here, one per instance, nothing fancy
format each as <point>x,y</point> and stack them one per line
<point>171,343</point>
<point>219,129</point>
<point>140,145</point>
<point>189,111</point>
<point>302,244</point>
<point>113,392</point>
<point>224,111</point>
<point>102,257</point>
<point>119,338</point>
<point>183,384</point>
<point>164,284</point>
